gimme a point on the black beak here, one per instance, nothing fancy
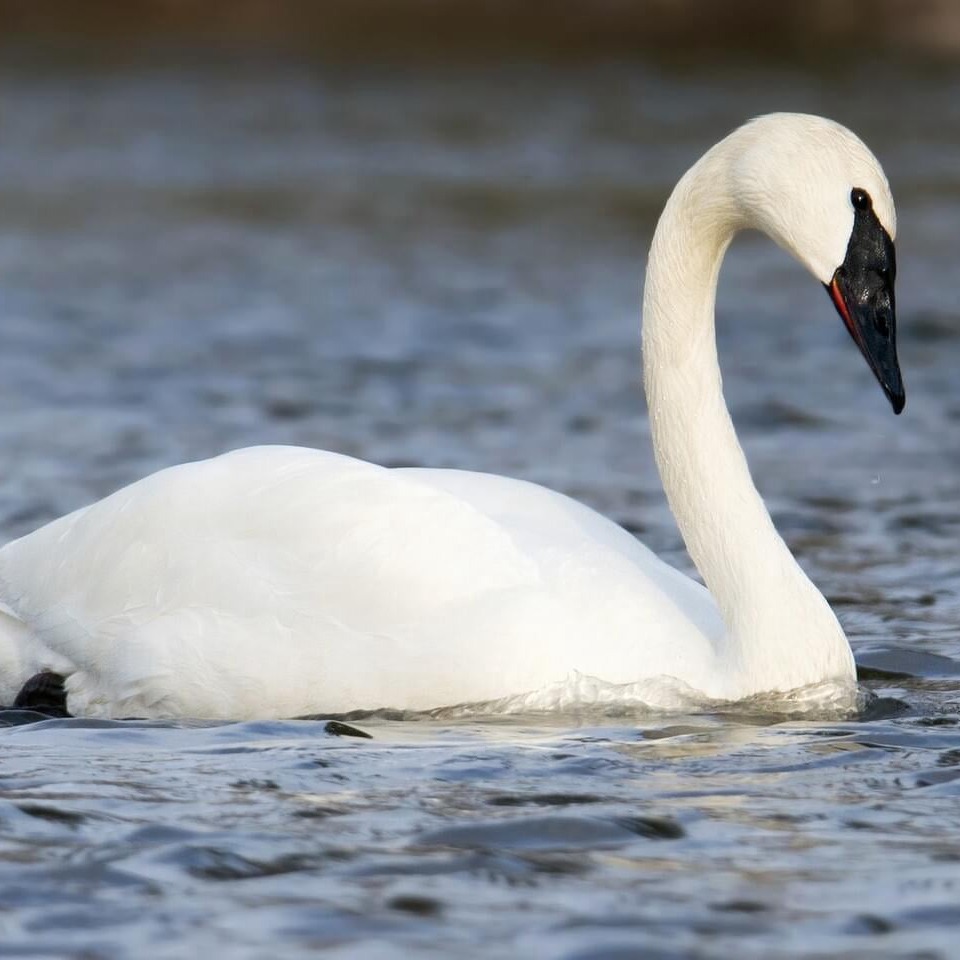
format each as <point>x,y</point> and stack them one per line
<point>862,290</point>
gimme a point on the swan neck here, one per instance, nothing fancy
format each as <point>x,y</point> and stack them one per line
<point>757,584</point>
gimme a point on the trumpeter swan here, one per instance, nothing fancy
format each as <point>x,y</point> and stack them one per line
<point>280,581</point>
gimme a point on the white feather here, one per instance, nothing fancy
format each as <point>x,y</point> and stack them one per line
<point>279,581</point>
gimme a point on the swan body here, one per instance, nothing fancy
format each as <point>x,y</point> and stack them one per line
<point>281,581</point>
<point>284,581</point>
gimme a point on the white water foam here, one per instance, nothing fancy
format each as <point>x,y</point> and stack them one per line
<point>664,694</point>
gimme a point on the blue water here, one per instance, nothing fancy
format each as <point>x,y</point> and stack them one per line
<point>443,267</point>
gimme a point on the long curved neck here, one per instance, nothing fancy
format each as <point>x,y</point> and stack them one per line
<point>776,619</point>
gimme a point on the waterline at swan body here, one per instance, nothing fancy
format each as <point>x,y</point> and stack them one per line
<point>281,581</point>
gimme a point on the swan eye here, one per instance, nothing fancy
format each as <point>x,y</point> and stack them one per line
<point>860,199</point>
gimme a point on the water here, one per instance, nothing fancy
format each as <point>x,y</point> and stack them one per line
<point>443,266</point>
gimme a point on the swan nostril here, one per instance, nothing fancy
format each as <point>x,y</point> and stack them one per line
<point>882,325</point>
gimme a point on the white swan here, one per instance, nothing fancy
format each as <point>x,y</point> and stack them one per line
<point>279,581</point>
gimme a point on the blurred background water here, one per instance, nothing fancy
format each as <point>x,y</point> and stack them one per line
<point>415,233</point>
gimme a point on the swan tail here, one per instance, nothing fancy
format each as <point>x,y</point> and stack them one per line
<point>14,659</point>
<point>22,656</point>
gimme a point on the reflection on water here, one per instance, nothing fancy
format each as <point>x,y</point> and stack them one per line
<point>444,268</point>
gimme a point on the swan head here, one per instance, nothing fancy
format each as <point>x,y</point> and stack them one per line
<point>815,188</point>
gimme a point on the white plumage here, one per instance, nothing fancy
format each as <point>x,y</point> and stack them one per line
<point>280,581</point>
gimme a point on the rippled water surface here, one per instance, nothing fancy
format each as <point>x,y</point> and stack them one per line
<point>443,267</point>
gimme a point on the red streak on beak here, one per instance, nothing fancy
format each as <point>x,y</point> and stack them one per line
<point>841,306</point>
